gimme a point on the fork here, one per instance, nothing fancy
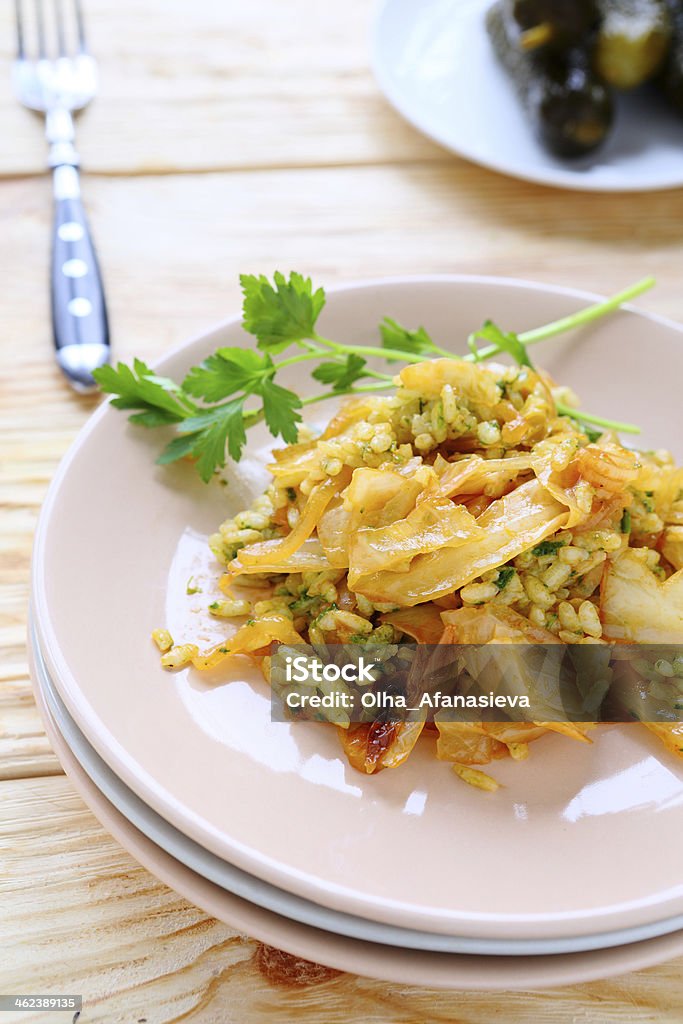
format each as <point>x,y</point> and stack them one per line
<point>58,78</point>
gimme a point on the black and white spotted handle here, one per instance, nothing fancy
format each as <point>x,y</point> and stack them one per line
<point>79,312</point>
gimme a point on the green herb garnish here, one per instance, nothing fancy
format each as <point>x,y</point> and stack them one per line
<point>504,576</point>
<point>547,547</point>
<point>625,525</point>
<point>235,388</point>
<point>303,602</point>
<point>410,342</point>
<point>509,343</point>
<point>583,418</point>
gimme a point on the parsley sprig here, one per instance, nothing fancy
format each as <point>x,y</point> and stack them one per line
<point>235,388</point>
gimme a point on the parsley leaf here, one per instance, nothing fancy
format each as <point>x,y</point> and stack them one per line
<point>179,448</point>
<point>341,376</point>
<point>206,436</point>
<point>509,343</point>
<point>280,411</point>
<point>159,399</point>
<point>281,315</point>
<point>150,417</point>
<point>225,426</point>
<point>234,369</point>
<point>403,340</point>
<point>226,371</point>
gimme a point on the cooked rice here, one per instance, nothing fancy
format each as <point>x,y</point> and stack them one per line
<point>443,413</point>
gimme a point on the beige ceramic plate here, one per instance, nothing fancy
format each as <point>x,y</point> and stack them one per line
<point>401,966</point>
<point>287,904</point>
<point>580,840</point>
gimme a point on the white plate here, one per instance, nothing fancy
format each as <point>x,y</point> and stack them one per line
<point>227,876</point>
<point>581,839</point>
<point>434,62</point>
<point>400,966</point>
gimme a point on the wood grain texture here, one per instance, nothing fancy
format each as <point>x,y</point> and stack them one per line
<point>214,86</point>
<point>172,248</point>
<point>232,138</point>
<point>136,951</point>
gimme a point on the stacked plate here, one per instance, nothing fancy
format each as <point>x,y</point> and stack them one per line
<point>569,872</point>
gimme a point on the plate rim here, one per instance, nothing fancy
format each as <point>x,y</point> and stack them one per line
<point>449,971</point>
<point>191,855</point>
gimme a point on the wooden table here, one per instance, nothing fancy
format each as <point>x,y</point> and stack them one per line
<point>234,138</point>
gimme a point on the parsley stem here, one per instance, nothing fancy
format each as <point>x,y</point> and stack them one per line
<point>587,315</point>
<point>342,394</point>
<point>568,323</point>
<point>444,353</point>
<point>306,357</point>
<point>372,387</point>
<point>387,377</point>
<point>533,337</point>
<point>598,421</point>
<point>187,406</point>
<point>369,350</point>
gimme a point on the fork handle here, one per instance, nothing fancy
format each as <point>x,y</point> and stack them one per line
<point>79,312</point>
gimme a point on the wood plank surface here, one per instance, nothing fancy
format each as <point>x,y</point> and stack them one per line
<point>172,248</point>
<point>214,86</point>
<point>137,952</point>
<point>231,138</point>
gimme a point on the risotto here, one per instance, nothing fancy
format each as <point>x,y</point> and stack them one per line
<point>461,509</point>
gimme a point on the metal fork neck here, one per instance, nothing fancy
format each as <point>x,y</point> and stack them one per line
<point>59,132</point>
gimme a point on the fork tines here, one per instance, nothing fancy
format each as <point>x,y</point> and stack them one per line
<point>55,26</point>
